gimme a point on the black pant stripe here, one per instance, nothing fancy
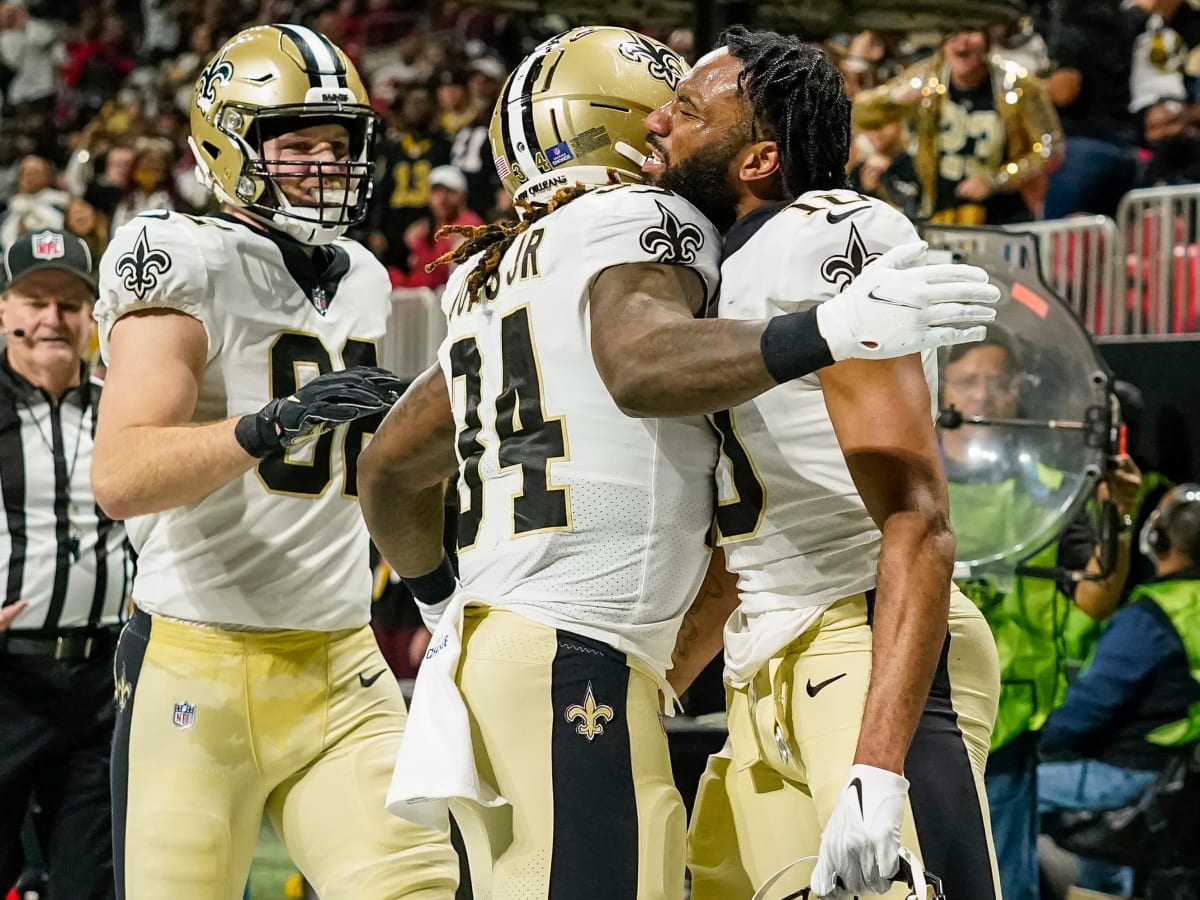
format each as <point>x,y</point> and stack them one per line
<point>62,521</point>
<point>595,805</point>
<point>943,794</point>
<point>12,487</point>
<point>127,667</point>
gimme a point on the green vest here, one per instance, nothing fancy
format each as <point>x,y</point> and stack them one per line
<point>1028,616</point>
<point>1180,601</point>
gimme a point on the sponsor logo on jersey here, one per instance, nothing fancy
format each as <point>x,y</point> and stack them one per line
<point>558,154</point>
<point>590,714</point>
<point>185,714</point>
<point>671,240</point>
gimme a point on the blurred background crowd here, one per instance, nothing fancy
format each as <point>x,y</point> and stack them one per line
<point>96,98</point>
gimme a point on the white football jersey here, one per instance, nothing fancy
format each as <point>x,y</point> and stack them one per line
<point>792,524</point>
<point>283,546</point>
<point>572,513</point>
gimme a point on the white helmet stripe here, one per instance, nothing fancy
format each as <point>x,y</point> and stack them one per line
<point>313,46</point>
<point>521,142</point>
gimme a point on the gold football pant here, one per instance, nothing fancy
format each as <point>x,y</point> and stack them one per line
<point>764,799</point>
<point>569,733</point>
<point>215,726</point>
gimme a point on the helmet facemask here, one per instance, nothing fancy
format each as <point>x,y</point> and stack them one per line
<point>338,191</point>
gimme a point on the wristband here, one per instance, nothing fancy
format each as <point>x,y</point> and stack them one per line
<point>792,346</point>
<point>433,587</point>
<point>250,435</point>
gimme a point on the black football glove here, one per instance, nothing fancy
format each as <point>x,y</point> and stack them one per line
<point>324,403</point>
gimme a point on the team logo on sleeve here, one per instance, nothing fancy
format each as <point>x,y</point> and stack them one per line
<point>671,240</point>
<point>841,270</point>
<point>661,62</point>
<point>591,715</point>
<point>141,267</point>
<point>219,71</point>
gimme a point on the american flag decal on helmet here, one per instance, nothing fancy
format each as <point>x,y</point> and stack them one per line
<point>502,167</point>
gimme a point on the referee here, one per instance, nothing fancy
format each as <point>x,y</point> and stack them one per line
<point>65,571</point>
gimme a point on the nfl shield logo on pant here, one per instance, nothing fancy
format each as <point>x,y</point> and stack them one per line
<point>185,715</point>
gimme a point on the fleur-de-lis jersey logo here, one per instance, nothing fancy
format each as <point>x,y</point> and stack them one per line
<point>122,691</point>
<point>591,715</point>
<point>219,71</point>
<point>672,240</point>
<point>661,62</point>
<point>841,270</point>
<point>140,267</point>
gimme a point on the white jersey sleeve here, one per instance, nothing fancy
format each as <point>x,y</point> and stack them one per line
<point>155,261</point>
<point>639,224</point>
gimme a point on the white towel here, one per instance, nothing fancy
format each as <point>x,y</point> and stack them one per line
<point>436,762</point>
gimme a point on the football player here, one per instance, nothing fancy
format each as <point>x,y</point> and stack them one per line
<point>582,527</point>
<point>862,687</point>
<point>248,678</point>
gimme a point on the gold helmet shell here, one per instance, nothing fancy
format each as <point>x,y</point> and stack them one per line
<point>274,78</point>
<point>576,106</point>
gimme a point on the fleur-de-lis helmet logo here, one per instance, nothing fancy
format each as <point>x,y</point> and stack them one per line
<point>672,240</point>
<point>661,62</point>
<point>591,715</point>
<point>140,267</point>
<point>219,71</point>
<point>841,270</point>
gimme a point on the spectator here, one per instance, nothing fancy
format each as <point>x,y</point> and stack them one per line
<point>471,153</point>
<point>151,184</point>
<point>32,49</point>
<point>456,111</point>
<point>1172,134</point>
<point>83,221</point>
<point>408,154</point>
<point>37,203</point>
<point>66,567</point>
<point>106,189</point>
<point>983,131</point>
<point>1138,700</point>
<point>1092,49</point>
<point>447,207</point>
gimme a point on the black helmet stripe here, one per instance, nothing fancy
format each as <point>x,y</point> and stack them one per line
<point>517,128</point>
<point>321,61</point>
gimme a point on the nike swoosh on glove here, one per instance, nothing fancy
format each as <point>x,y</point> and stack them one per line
<point>900,305</point>
<point>324,403</point>
<point>860,846</point>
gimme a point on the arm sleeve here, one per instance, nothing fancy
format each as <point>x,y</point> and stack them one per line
<point>155,261</point>
<point>1132,645</point>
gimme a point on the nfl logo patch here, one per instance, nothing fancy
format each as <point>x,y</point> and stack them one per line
<point>48,245</point>
<point>559,154</point>
<point>502,167</point>
<point>185,714</point>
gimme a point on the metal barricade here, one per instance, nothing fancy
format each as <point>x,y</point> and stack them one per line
<point>416,331</point>
<point>1077,260</point>
<point>1161,260</point>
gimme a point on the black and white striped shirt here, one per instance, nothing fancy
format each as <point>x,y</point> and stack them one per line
<point>57,549</point>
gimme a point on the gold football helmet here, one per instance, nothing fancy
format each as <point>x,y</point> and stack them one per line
<point>267,81</point>
<point>575,108</point>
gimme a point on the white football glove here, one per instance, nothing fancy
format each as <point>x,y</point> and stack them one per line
<point>860,846</point>
<point>900,305</point>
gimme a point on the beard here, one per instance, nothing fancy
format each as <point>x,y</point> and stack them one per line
<point>704,181</point>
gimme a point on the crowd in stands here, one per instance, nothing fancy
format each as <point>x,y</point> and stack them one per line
<point>96,98</point>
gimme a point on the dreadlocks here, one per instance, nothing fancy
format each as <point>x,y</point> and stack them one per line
<point>799,96</point>
<point>499,236</point>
